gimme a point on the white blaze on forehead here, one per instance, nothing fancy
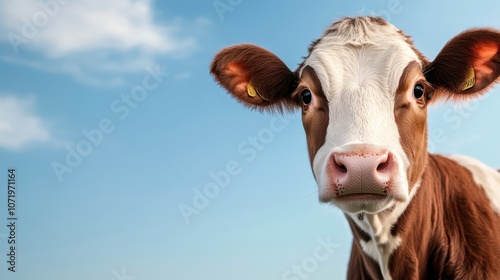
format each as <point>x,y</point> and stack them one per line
<point>360,68</point>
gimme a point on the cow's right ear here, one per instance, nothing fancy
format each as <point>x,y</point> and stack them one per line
<point>255,76</point>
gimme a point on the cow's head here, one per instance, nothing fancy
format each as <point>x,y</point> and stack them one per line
<point>364,91</point>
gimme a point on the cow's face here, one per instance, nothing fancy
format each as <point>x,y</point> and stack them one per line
<point>363,97</point>
<point>363,90</point>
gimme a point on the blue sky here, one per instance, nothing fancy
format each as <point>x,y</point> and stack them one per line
<point>113,124</point>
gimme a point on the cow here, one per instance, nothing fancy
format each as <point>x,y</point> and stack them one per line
<point>363,90</point>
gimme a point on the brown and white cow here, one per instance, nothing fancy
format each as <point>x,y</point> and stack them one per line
<point>364,91</point>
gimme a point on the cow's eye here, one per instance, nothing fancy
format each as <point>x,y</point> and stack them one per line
<point>418,91</point>
<point>306,96</point>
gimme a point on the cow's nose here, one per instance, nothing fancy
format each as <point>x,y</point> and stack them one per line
<point>361,172</point>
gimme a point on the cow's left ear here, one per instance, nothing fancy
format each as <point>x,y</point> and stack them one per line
<point>467,65</point>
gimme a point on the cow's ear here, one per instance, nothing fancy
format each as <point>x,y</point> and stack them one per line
<point>254,76</point>
<point>467,65</point>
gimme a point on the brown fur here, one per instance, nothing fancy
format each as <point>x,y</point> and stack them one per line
<point>314,116</point>
<point>411,119</point>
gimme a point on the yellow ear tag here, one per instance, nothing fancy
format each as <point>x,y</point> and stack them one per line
<point>251,90</point>
<point>470,80</point>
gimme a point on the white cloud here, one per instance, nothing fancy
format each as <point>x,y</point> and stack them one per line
<point>19,126</point>
<point>95,41</point>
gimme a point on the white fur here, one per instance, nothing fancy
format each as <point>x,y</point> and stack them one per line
<point>360,75</point>
<point>381,253</point>
<point>485,176</point>
<point>378,226</point>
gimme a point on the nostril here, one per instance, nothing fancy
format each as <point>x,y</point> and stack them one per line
<point>382,166</point>
<point>385,162</point>
<point>338,164</point>
<point>342,167</point>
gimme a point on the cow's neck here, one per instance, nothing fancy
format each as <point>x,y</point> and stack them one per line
<point>375,238</point>
<point>394,246</point>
